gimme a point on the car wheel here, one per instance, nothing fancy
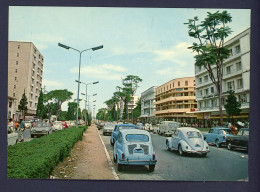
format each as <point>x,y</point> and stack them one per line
<point>32,136</point>
<point>204,154</point>
<point>151,168</point>
<point>119,166</point>
<point>114,159</point>
<point>218,144</point>
<point>167,146</point>
<point>111,142</point>
<point>180,151</point>
<point>229,146</point>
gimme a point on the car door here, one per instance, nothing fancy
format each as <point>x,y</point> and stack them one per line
<point>119,145</point>
<point>115,133</point>
<point>209,136</point>
<point>175,139</point>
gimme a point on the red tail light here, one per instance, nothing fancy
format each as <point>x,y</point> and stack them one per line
<point>123,156</point>
<point>153,156</point>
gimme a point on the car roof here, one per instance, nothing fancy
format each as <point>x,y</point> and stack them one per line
<point>188,129</point>
<point>134,131</point>
<point>126,125</point>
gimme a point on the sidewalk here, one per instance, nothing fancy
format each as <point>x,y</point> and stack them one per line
<point>87,160</point>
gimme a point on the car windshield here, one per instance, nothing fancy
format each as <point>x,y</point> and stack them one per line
<point>225,131</point>
<point>109,125</point>
<point>137,137</point>
<point>126,127</point>
<point>174,125</point>
<point>39,124</point>
<point>194,134</point>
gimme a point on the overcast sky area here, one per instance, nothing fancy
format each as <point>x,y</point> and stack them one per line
<point>148,42</point>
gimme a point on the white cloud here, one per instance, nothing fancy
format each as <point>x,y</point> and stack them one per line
<point>49,83</point>
<point>104,71</point>
<point>172,72</point>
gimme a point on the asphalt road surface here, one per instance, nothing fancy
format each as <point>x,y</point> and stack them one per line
<point>219,165</point>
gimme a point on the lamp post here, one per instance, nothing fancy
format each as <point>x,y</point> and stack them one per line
<point>87,92</point>
<point>80,52</point>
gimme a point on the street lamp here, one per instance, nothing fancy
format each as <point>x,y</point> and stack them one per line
<point>80,52</point>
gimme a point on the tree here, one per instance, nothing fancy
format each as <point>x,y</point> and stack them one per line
<point>72,108</point>
<point>210,50</point>
<point>136,111</point>
<point>101,115</point>
<point>41,109</point>
<point>232,106</point>
<point>23,105</point>
<point>59,96</point>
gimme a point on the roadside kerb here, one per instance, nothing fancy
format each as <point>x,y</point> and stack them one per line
<point>108,157</point>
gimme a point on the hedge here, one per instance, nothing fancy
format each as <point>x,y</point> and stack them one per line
<point>38,157</point>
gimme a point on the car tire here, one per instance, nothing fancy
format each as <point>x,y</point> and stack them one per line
<point>114,159</point>
<point>180,150</point>
<point>218,144</point>
<point>229,146</point>
<point>119,166</point>
<point>111,142</point>
<point>167,146</point>
<point>151,168</point>
<point>204,154</point>
<point>32,136</point>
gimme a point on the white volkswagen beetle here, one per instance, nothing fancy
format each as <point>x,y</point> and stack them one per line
<point>187,140</point>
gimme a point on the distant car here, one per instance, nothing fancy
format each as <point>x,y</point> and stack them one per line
<point>27,124</point>
<point>134,147</point>
<point>13,137</point>
<point>118,127</point>
<point>148,127</point>
<point>57,126</point>
<point>108,128</point>
<point>187,140</point>
<point>68,124</point>
<point>139,125</point>
<point>100,125</point>
<point>240,140</point>
<point>167,128</point>
<point>40,129</point>
<point>218,135</point>
<point>64,124</point>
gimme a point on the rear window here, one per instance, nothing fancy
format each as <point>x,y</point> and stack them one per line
<point>193,134</point>
<point>137,137</point>
<point>126,127</point>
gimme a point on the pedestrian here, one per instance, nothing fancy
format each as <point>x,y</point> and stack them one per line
<point>10,123</point>
<point>33,123</point>
<point>22,125</point>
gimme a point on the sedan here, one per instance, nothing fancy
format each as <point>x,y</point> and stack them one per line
<point>40,129</point>
<point>57,126</point>
<point>240,140</point>
<point>187,140</point>
<point>134,147</point>
<point>108,128</point>
<point>218,135</point>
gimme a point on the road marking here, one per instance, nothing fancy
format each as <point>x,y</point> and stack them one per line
<point>108,158</point>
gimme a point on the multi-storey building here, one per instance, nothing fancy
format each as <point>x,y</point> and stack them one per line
<point>147,105</point>
<point>236,76</point>
<point>175,99</point>
<point>25,68</point>
<point>132,104</point>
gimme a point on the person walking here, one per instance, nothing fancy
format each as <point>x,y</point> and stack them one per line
<point>33,123</point>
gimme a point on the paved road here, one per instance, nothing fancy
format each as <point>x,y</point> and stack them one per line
<point>220,165</point>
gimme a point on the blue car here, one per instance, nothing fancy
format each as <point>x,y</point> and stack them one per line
<point>134,147</point>
<point>118,127</point>
<point>218,135</point>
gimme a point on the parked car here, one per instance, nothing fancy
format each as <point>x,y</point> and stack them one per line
<point>148,127</point>
<point>40,129</point>
<point>134,147</point>
<point>57,126</point>
<point>118,127</point>
<point>64,124</point>
<point>139,125</point>
<point>108,128</point>
<point>187,140</point>
<point>240,140</point>
<point>68,124</point>
<point>218,135</point>
<point>13,136</point>
<point>167,128</point>
<point>100,125</point>
<point>27,124</point>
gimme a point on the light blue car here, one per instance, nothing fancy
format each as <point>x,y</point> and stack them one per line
<point>218,135</point>
<point>117,128</point>
<point>134,147</point>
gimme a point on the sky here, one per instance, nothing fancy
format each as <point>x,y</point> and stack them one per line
<point>147,42</point>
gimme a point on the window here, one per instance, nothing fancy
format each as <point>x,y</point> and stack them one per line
<point>34,50</point>
<point>179,83</point>
<point>15,70</point>
<point>167,87</point>
<point>228,69</point>
<point>231,52</point>
<point>17,54</point>
<point>239,83</point>
<point>200,80</point>
<point>237,49</point>
<point>30,104</point>
<point>242,98</point>
<point>238,66</point>
<point>14,86</point>
<point>206,78</point>
<point>10,104</point>
<point>13,94</point>
<point>16,62</point>
<point>172,84</point>
<point>230,85</point>
<point>206,91</point>
<point>15,78</point>
<point>212,89</point>
<point>201,94</point>
<point>18,47</point>
<point>186,83</point>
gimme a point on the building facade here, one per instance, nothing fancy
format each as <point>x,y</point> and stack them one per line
<point>147,105</point>
<point>236,76</point>
<point>25,69</point>
<point>174,99</point>
<point>132,104</point>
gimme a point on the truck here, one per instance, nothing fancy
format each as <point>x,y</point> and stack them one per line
<point>166,128</point>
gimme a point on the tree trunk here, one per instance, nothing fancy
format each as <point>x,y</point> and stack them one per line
<point>121,109</point>
<point>220,103</point>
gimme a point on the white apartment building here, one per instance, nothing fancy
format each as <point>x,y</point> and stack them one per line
<point>147,106</point>
<point>132,104</point>
<point>25,68</point>
<point>236,76</point>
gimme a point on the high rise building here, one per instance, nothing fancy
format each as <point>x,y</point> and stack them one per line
<point>25,68</point>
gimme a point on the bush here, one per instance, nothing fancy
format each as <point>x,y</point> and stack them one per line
<point>38,157</point>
